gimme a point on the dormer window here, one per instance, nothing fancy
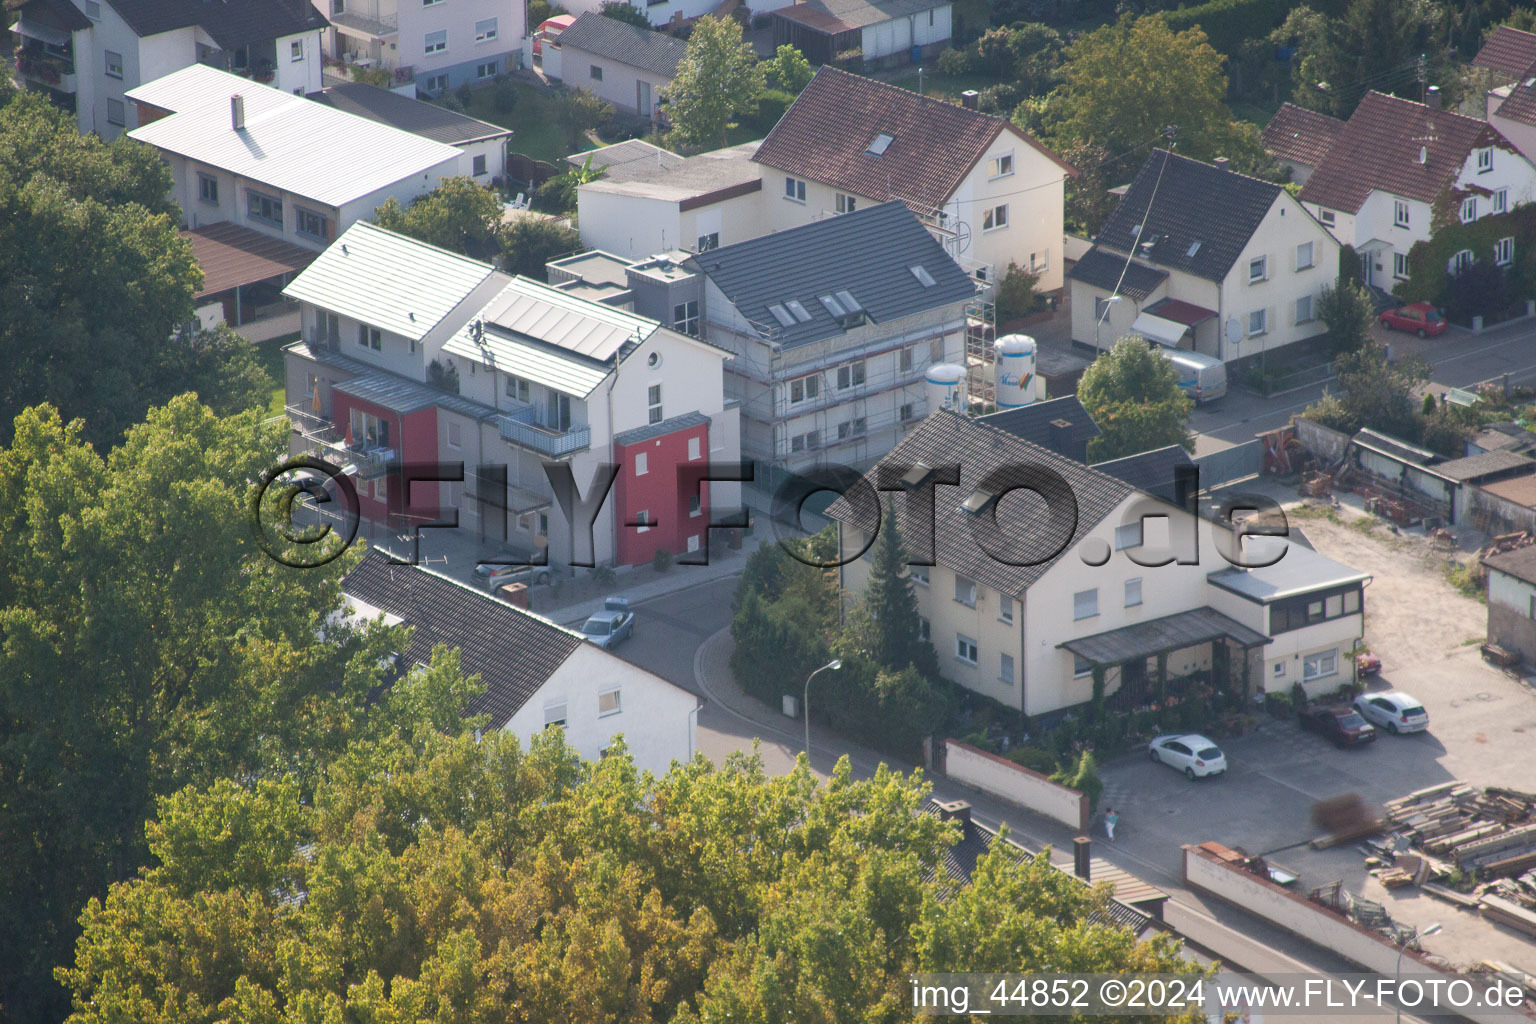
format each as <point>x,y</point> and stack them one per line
<point>1485,160</point>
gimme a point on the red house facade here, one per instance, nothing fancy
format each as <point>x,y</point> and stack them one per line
<point>650,490</point>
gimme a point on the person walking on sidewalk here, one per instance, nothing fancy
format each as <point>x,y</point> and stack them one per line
<point>1111,819</point>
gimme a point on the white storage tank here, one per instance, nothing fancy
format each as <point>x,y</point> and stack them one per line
<point>946,387</point>
<point>1015,371</point>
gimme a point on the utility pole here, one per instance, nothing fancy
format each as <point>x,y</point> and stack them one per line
<point>1423,73</point>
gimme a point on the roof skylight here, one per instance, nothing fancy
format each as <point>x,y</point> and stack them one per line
<point>781,315</point>
<point>923,277</point>
<point>800,312</point>
<point>880,145</point>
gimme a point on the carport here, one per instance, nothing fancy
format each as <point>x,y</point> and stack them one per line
<point>1127,652</point>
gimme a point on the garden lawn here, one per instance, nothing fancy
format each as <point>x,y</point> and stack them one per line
<point>536,131</point>
<point>940,85</point>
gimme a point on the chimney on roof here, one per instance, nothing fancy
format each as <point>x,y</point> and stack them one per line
<point>958,811</point>
<point>1082,848</point>
<point>970,99</point>
<point>1221,162</point>
<point>1432,97</point>
<point>237,112</point>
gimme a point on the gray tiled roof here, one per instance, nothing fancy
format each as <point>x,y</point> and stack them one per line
<point>869,253</point>
<point>627,44</point>
<point>513,651</point>
<point>1189,202</point>
<point>948,439</point>
<point>411,115</point>
<point>650,430</point>
<point>1109,271</point>
<point>231,23</point>
<point>1156,472</point>
<point>1036,424</point>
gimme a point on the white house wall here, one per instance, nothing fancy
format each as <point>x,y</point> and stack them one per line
<point>899,35</point>
<point>109,33</point>
<point>655,718</point>
<point>300,77</point>
<point>1034,194</point>
<point>630,226</point>
<point>620,82</point>
<point>1284,228</point>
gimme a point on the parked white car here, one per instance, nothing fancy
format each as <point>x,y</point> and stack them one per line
<point>1193,754</point>
<point>1393,711</point>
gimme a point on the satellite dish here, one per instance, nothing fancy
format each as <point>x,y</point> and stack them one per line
<point>1234,330</point>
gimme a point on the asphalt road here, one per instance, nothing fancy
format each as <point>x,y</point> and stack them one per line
<point>1459,358</point>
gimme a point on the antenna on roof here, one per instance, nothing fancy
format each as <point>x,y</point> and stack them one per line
<point>477,330</point>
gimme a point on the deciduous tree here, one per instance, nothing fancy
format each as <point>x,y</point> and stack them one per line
<point>1374,44</point>
<point>717,84</point>
<point>789,69</point>
<point>532,240</point>
<point>459,215</point>
<point>1133,394</point>
<point>1347,310</point>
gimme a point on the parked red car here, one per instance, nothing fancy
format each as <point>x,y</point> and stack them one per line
<point>1421,318</point>
<point>1343,725</point>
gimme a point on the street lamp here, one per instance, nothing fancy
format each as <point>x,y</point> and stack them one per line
<point>805,702</point>
<point>1397,971</point>
<point>1102,317</point>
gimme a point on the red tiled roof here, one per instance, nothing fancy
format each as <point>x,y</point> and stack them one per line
<point>1378,148</point>
<point>232,255</point>
<point>825,136</point>
<point>1180,312</point>
<point>1300,135</point>
<point>1508,51</point>
<point>1520,105</point>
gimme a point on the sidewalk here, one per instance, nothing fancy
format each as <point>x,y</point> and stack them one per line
<point>1226,933</point>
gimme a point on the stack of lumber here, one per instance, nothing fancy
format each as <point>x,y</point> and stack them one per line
<point>1490,831</point>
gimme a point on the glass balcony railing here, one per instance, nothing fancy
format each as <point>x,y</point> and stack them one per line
<point>522,427</point>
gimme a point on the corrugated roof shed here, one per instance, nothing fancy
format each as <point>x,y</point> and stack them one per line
<point>1193,216</point>
<point>1379,146</point>
<point>428,120</point>
<point>869,254</point>
<point>624,43</point>
<point>826,134</point>
<point>390,281</point>
<point>1473,468</point>
<point>1025,523</point>
<point>514,652</point>
<point>233,255</point>
<point>288,142</point>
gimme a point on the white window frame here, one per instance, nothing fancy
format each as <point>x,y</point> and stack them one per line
<point>965,591</point>
<point>556,712</point>
<point>114,64</point>
<point>1325,217</point>
<point>1401,214</point>
<point>1085,604</point>
<point>203,189</point>
<point>642,463</point>
<point>487,29</point>
<point>93,10</point>
<point>484,71</point>
<point>1005,669</point>
<point>261,198</point>
<point>643,522</point>
<point>1081,666</point>
<point>121,118</point>
<point>1263,322</point>
<point>920,574</point>
<point>845,203</point>
<point>299,213</point>
<point>809,387</point>
<point>455,435</point>
<point>851,375</point>
<point>995,218</point>
<point>295,51</point>
<point>1485,160</point>
<point>1399,266</point>
<point>1311,259</point>
<point>1128,535</point>
<point>1002,165</point>
<point>1500,200</point>
<point>441,35</point>
<point>967,651</point>
<point>1258,269</point>
<point>688,322</point>
<point>695,506</point>
<point>1004,609</point>
<point>1462,260</point>
<point>1309,314</point>
<point>595,72</point>
<point>653,406</point>
<point>1504,251</point>
<point>1133,592</point>
<point>794,189</point>
<point>610,702</point>
<point>695,449</point>
<point>1320,665</point>
<point>1469,209</point>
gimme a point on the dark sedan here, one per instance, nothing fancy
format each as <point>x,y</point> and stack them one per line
<point>1342,725</point>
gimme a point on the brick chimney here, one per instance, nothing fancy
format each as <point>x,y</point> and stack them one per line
<point>1432,97</point>
<point>1082,848</point>
<point>960,811</point>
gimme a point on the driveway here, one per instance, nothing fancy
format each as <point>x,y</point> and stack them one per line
<point>1482,727</point>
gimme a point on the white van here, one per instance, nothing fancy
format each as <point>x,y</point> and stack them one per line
<point>1204,379</point>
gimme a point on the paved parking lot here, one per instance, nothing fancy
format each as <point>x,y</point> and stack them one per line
<point>1482,731</point>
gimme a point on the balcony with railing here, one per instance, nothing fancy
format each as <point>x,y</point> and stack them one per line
<point>375,20</point>
<point>48,65</point>
<point>255,66</point>
<point>522,427</point>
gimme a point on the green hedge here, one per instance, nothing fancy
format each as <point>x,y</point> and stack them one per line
<point>1230,23</point>
<point>1429,280</point>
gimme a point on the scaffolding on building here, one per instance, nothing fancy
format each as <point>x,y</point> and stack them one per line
<point>980,336</point>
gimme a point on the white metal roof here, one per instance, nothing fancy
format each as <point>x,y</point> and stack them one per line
<point>1299,571</point>
<point>549,336</point>
<point>1155,328</point>
<point>389,281</point>
<point>289,142</point>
